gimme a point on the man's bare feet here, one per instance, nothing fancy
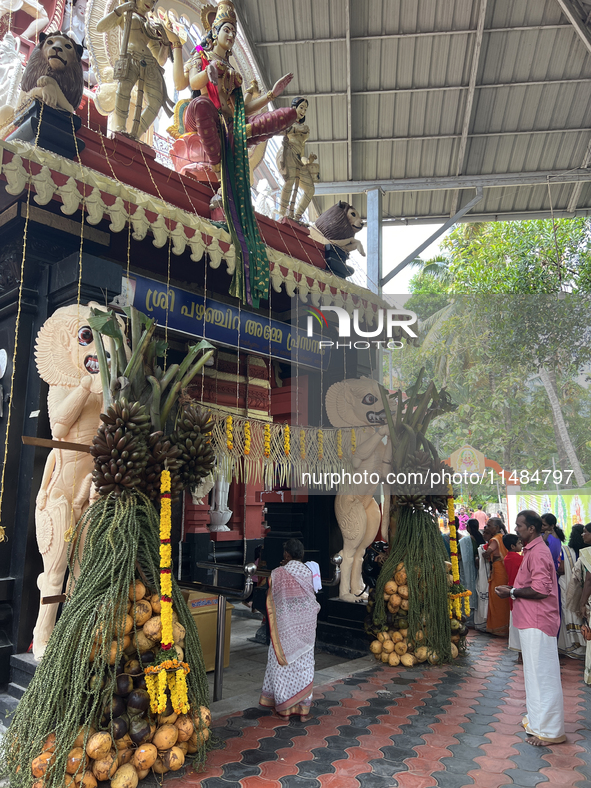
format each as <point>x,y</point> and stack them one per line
<point>535,742</point>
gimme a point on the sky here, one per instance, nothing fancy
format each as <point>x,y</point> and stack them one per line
<point>398,242</point>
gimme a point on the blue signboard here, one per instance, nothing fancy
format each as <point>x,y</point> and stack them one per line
<point>221,323</point>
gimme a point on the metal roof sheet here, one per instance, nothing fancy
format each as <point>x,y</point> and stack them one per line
<point>412,69</point>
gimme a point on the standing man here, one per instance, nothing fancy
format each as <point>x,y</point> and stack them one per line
<point>480,516</point>
<point>536,614</point>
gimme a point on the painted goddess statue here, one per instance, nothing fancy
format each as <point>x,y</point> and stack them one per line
<point>298,171</point>
<point>226,123</point>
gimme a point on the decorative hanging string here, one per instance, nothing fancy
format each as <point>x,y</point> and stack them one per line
<point>17,327</point>
<point>69,535</point>
<point>252,450</point>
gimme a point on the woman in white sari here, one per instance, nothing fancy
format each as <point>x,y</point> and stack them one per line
<point>292,610</point>
<point>570,640</point>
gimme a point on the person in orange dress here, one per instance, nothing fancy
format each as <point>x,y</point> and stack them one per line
<point>497,622</point>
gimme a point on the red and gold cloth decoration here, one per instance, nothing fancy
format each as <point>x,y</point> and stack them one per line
<point>168,673</point>
<point>457,592</point>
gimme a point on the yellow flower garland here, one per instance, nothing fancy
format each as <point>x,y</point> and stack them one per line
<point>230,433</point>
<point>340,444</point>
<point>267,440</point>
<point>165,560</point>
<point>247,440</point>
<point>320,444</point>
<point>353,441</point>
<point>170,673</point>
<point>303,444</point>
<point>286,440</point>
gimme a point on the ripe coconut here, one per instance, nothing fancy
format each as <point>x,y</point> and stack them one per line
<point>98,745</point>
<point>165,737</point>
<point>76,759</point>
<point>125,777</point>
<point>137,591</point>
<point>41,763</point>
<point>174,759</point>
<point>106,767</point>
<point>86,780</point>
<point>145,756</point>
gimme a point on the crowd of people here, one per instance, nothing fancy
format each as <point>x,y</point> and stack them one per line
<point>531,587</point>
<point>534,588</point>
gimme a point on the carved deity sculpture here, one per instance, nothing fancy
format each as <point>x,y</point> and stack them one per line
<point>67,361</point>
<point>357,403</point>
<point>298,171</point>
<point>11,72</point>
<point>219,124</point>
<point>264,202</point>
<point>144,52</point>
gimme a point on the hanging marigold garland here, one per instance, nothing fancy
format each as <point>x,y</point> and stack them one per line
<point>169,673</point>
<point>340,445</point>
<point>303,444</point>
<point>353,441</point>
<point>247,437</point>
<point>320,444</point>
<point>286,440</point>
<point>458,592</point>
<point>267,440</point>
<point>229,433</point>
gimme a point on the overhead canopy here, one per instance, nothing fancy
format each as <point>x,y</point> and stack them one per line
<point>429,99</point>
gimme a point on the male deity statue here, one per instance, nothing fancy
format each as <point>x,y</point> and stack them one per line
<point>358,404</point>
<point>66,359</point>
<point>144,52</point>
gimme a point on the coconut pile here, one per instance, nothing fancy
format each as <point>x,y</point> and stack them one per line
<point>130,740</point>
<point>396,644</point>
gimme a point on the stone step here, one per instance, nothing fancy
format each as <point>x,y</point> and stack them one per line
<point>22,670</point>
<point>15,691</point>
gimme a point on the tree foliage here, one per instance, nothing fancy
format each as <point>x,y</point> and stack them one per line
<point>489,350</point>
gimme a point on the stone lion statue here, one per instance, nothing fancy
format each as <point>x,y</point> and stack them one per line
<point>338,226</point>
<point>54,72</point>
<point>66,359</point>
<point>358,404</point>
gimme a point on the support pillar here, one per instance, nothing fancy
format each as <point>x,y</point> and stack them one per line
<point>374,240</point>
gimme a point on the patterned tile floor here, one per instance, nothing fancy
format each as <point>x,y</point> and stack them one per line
<point>451,726</point>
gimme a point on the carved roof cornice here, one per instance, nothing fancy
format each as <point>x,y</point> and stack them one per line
<point>53,177</point>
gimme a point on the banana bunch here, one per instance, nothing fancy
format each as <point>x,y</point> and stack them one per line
<point>119,447</point>
<point>192,437</point>
<point>162,453</point>
<point>416,501</point>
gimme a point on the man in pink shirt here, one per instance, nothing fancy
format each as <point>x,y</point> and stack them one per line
<point>536,614</point>
<point>481,517</point>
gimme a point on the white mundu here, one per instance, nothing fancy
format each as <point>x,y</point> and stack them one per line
<point>543,688</point>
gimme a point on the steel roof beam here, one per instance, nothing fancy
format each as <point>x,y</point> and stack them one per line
<point>578,187</point>
<point>572,14</point>
<point>438,88</point>
<point>462,182</point>
<point>504,216</point>
<point>469,99</point>
<point>394,36</point>
<point>437,234</point>
<point>349,110</point>
<point>453,136</point>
